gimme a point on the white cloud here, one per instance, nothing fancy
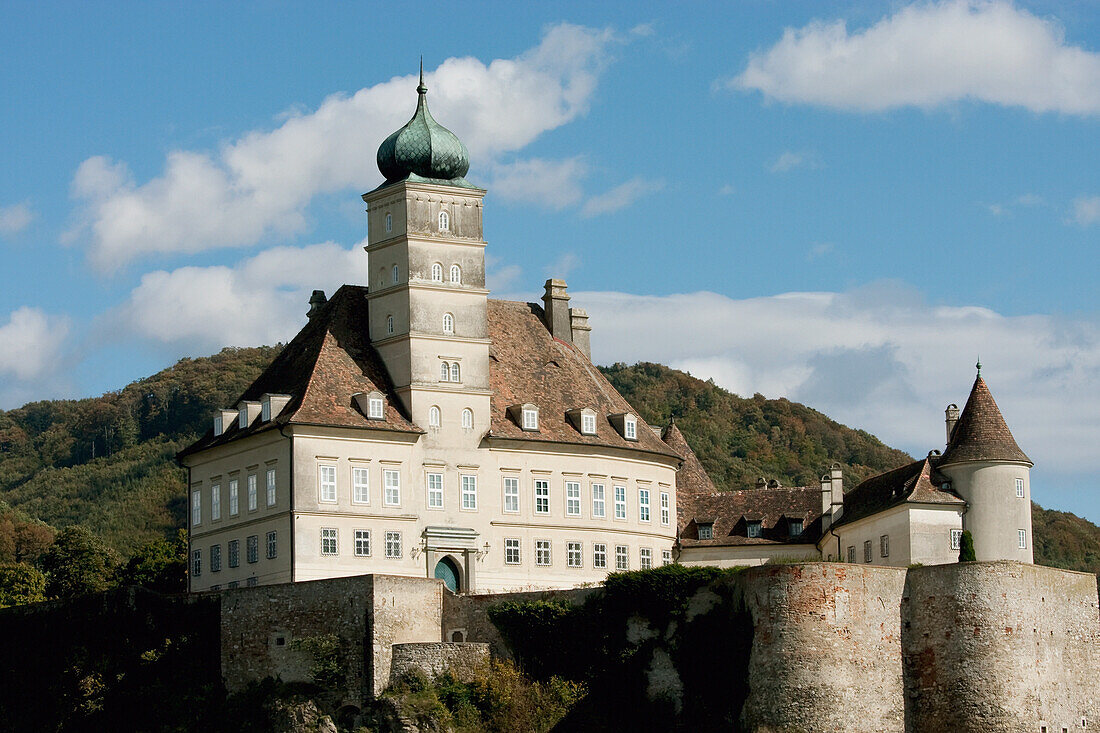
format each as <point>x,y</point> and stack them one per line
<point>261,184</point>
<point>1027,200</point>
<point>1086,210</point>
<point>789,160</point>
<point>32,342</point>
<point>878,358</point>
<point>927,55</point>
<point>620,196</point>
<point>15,218</point>
<point>553,184</point>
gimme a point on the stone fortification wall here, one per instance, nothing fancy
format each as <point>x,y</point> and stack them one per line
<point>1001,646</point>
<point>404,610</point>
<point>826,651</point>
<point>464,660</point>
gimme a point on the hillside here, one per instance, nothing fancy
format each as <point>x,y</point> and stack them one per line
<point>107,462</point>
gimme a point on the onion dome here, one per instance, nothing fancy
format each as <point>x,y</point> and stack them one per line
<point>424,150</point>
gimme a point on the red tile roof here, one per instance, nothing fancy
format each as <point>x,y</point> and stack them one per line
<point>917,482</point>
<point>981,433</point>
<point>730,512</point>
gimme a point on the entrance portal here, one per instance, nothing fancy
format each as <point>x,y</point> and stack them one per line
<point>446,571</point>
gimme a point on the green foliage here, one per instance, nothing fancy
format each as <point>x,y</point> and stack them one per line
<point>328,670</point>
<point>20,584</point>
<point>159,565</point>
<point>22,539</point>
<point>966,547</point>
<point>78,563</point>
<point>1064,540</point>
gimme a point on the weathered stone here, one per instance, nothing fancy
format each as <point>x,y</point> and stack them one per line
<point>464,660</point>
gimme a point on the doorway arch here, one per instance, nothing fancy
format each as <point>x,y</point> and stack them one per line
<point>447,571</point>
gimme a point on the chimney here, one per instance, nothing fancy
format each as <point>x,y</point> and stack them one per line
<point>578,318</point>
<point>761,482</point>
<point>826,502</point>
<point>836,483</point>
<point>952,416</point>
<point>556,304</point>
<point>316,300</point>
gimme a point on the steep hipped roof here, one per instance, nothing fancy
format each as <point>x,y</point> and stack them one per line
<point>527,364</point>
<point>917,482</point>
<point>731,510</point>
<point>981,433</point>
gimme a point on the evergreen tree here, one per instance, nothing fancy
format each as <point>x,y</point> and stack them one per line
<point>21,584</point>
<point>78,562</point>
<point>966,547</point>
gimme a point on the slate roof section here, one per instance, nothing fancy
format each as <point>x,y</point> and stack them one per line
<point>731,511</point>
<point>918,482</point>
<point>692,479</point>
<point>321,368</point>
<point>527,364</point>
<point>981,433</point>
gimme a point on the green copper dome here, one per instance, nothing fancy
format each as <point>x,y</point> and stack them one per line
<point>424,150</point>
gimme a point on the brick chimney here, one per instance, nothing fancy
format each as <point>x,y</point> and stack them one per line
<point>316,300</point>
<point>555,302</point>
<point>578,318</point>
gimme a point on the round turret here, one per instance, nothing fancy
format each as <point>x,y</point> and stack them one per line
<point>423,149</point>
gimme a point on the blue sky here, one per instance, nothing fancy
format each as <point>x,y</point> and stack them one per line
<point>842,203</point>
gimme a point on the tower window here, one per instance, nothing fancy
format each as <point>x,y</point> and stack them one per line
<point>434,417</point>
<point>389,223</point>
<point>395,274</point>
<point>456,275</point>
<point>437,273</point>
<point>456,374</point>
<point>1021,538</point>
<point>389,324</point>
<point>448,323</point>
<point>1019,488</point>
<point>444,221</point>
<point>444,372</point>
<point>468,418</point>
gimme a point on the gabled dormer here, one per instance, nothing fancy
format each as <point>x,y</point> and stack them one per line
<point>583,419</point>
<point>626,424</point>
<point>525,415</point>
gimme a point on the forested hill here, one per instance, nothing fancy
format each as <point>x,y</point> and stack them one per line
<point>107,462</point>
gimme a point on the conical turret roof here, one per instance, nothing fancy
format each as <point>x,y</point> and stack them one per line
<point>981,433</point>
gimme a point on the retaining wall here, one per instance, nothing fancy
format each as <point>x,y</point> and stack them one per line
<point>464,660</point>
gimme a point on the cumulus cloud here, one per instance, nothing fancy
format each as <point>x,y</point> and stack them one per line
<point>15,218</point>
<point>878,358</point>
<point>32,342</point>
<point>1086,210</point>
<point>927,55</point>
<point>553,184</point>
<point>261,184</point>
<point>620,196</point>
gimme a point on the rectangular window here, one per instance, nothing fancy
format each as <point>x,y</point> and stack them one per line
<point>599,556</point>
<point>360,485</point>
<point>630,429</point>
<point>252,548</point>
<point>645,556</point>
<point>252,582</point>
<point>326,475</point>
<point>588,424</point>
<point>1019,488</point>
<point>196,563</point>
<point>271,487</point>
<point>374,404</point>
<point>329,541</point>
<point>542,552</point>
<point>234,553</point>
<point>706,531</point>
<point>622,557</point>
<point>216,501</point>
<point>234,501</point>
<point>666,515</point>
<point>599,502</point>
<point>666,557</point>
<point>435,491</point>
<point>362,543</point>
<point>511,551</point>
<point>196,508</point>
<point>530,419</point>
<point>272,545</point>
<point>216,559</point>
<point>573,498</point>
<point>542,496</point>
<point>956,539</point>
<point>393,545</point>
<point>643,505</point>
<point>620,502</point>
<point>234,584</point>
<point>851,553</point>
<point>252,492</point>
<point>755,528</point>
<point>392,480</point>
<point>511,495</point>
<point>884,546</point>
<point>794,527</point>
<point>1021,539</point>
<point>867,551</point>
<point>469,492</point>
<point>573,556</point>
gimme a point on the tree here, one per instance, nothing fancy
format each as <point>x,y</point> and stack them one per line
<point>159,565</point>
<point>966,547</point>
<point>21,584</point>
<point>78,562</point>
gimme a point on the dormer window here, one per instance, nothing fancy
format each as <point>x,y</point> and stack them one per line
<point>218,425</point>
<point>530,418</point>
<point>444,221</point>
<point>630,428</point>
<point>754,528</point>
<point>375,408</point>
<point>794,527</point>
<point>583,419</point>
<point>456,275</point>
<point>265,410</point>
<point>588,423</point>
<point>706,531</point>
<point>437,273</point>
<point>242,417</point>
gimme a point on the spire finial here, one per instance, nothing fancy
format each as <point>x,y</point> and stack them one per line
<point>421,89</point>
<point>979,366</point>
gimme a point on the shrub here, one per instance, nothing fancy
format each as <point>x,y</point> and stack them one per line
<point>966,547</point>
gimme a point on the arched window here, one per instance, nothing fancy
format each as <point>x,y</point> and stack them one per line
<point>395,274</point>
<point>455,374</point>
<point>448,323</point>
<point>467,418</point>
<point>437,273</point>
<point>434,417</point>
<point>389,324</point>
<point>389,223</point>
<point>444,221</point>
<point>456,275</point>
<point>382,277</point>
<point>444,372</point>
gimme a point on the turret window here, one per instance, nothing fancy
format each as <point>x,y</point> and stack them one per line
<point>448,323</point>
<point>456,275</point>
<point>435,418</point>
<point>444,221</point>
<point>468,419</point>
<point>1021,539</point>
<point>437,273</point>
<point>1019,488</point>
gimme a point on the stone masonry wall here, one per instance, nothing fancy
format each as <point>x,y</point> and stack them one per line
<point>463,660</point>
<point>1001,646</point>
<point>404,610</point>
<point>826,651</point>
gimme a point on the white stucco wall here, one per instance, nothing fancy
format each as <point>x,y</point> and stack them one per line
<point>995,515</point>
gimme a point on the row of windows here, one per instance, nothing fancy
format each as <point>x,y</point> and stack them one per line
<point>361,543</point>
<point>574,554</point>
<point>444,221</point>
<point>233,486</point>
<point>435,418</point>
<point>448,328</point>
<point>450,371</point>
<point>584,420</point>
<point>956,544</point>
<point>233,553</point>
